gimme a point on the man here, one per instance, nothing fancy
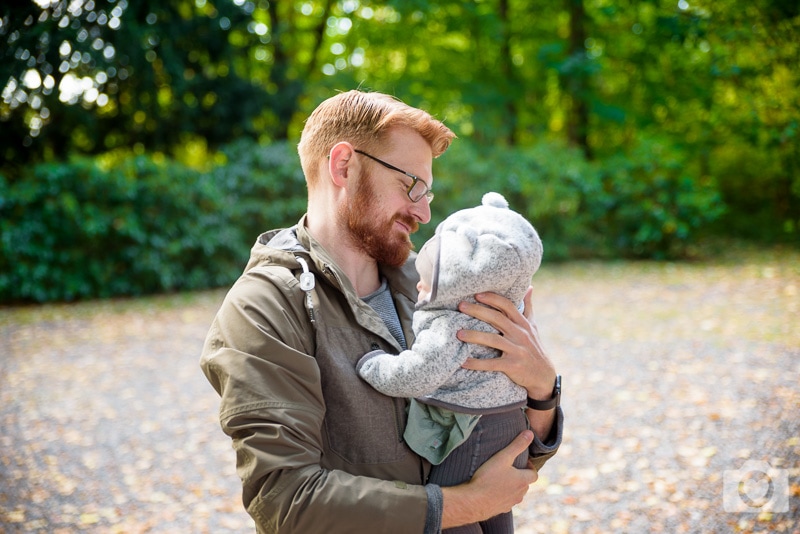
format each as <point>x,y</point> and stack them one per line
<point>319,450</point>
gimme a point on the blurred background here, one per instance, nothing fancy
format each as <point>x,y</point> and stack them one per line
<point>145,138</point>
<point>654,144</point>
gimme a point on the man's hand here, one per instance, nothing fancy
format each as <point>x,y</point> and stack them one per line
<point>522,357</point>
<point>494,489</point>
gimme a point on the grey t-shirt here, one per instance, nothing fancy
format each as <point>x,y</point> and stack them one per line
<point>381,301</point>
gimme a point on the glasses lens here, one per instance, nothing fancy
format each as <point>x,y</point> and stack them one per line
<point>418,190</point>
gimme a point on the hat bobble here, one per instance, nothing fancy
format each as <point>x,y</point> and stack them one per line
<point>495,200</point>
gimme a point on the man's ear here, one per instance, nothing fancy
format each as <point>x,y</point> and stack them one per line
<point>341,163</point>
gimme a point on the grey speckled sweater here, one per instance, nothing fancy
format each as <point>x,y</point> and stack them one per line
<point>486,248</point>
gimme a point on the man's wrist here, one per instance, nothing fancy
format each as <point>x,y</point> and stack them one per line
<point>459,508</point>
<point>551,401</point>
<point>542,387</point>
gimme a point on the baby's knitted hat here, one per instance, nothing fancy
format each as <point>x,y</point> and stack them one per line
<point>485,248</point>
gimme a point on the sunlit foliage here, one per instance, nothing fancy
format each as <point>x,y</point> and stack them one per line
<point>718,81</point>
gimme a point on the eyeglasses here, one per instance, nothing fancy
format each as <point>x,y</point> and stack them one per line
<point>418,187</point>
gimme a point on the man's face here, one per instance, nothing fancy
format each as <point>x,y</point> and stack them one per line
<point>374,229</point>
<point>379,215</point>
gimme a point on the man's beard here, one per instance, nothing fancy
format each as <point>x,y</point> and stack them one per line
<point>379,239</point>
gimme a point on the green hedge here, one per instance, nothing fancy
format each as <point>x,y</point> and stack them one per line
<point>638,205</point>
<point>90,229</point>
<point>79,230</point>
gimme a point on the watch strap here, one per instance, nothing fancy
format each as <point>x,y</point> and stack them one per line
<point>552,402</point>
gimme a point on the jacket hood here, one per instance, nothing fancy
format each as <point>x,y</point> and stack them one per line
<point>486,248</point>
<point>277,247</point>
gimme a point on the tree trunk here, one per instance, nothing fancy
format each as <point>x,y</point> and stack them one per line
<point>578,121</point>
<point>509,77</point>
<point>290,89</point>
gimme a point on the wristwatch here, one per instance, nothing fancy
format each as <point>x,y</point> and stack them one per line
<point>552,402</point>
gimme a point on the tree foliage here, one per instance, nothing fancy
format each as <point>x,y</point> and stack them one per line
<point>136,225</point>
<point>717,81</point>
<point>100,75</point>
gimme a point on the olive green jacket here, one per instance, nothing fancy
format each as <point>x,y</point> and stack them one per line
<point>317,448</point>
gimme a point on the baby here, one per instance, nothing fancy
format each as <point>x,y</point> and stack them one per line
<point>489,248</point>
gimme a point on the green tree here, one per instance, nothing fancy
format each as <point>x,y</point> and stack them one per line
<point>716,81</point>
<point>719,80</point>
<point>97,75</point>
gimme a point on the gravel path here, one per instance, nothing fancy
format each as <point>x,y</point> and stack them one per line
<point>675,375</point>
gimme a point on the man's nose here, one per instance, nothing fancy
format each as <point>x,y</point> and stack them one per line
<point>422,210</point>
